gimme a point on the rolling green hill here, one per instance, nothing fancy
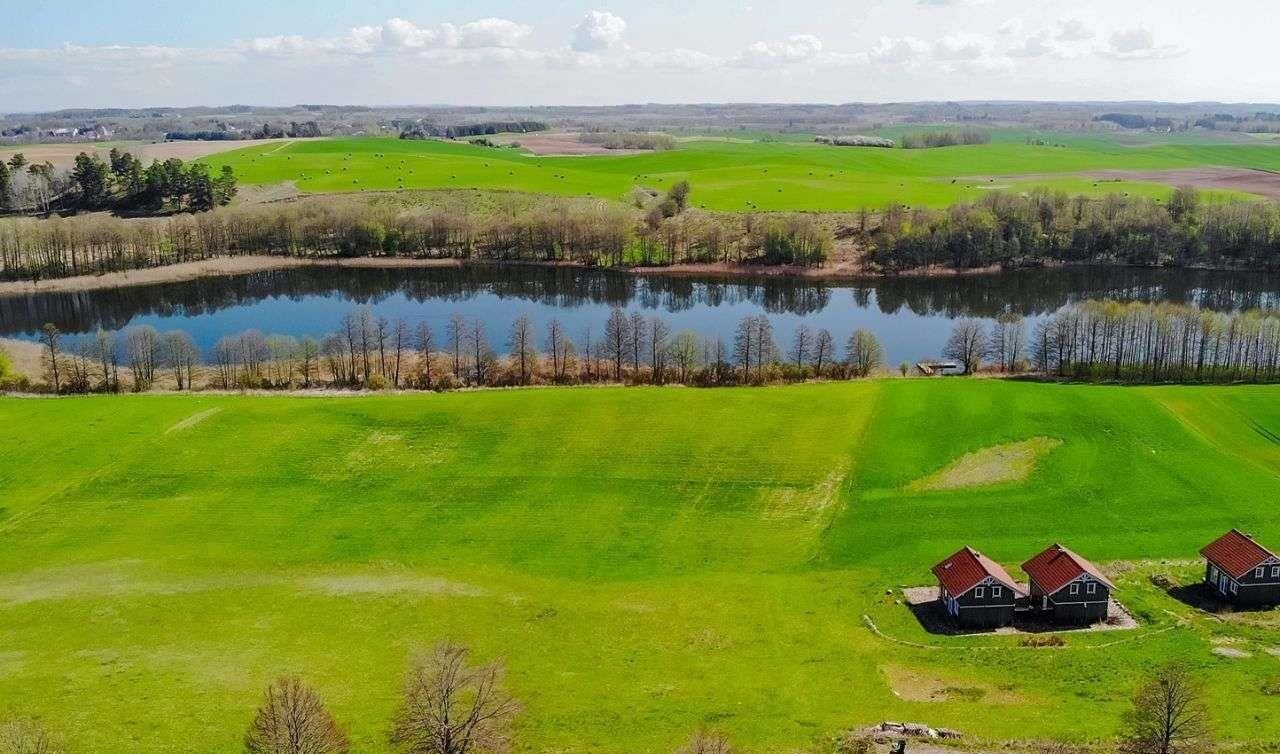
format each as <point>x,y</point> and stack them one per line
<point>646,560</point>
<point>733,175</point>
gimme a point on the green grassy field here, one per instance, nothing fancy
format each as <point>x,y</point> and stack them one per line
<point>646,560</point>
<point>735,175</point>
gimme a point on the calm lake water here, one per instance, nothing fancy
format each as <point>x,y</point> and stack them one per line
<point>912,316</point>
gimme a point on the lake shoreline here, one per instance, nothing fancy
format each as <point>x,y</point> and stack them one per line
<point>243,265</point>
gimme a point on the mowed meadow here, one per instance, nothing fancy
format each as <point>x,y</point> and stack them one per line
<point>741,176</point>
<point>646,560</point>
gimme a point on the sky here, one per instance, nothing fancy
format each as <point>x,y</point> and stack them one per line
<point>139,53</point>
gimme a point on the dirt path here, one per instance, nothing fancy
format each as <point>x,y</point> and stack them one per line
<point>64,154</point>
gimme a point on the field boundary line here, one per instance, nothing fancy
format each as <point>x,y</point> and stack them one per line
<point>1142,635</point>
<point>288,143</point>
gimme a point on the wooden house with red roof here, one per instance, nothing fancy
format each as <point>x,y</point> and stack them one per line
<point>1067,586</point>
<point>1241,570</point>
<point>976,591</point>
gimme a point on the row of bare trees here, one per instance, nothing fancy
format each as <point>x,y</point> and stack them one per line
<point>538,229</point>
<point>1094,340</point>
<point>374,352</point>
<point>448,706</point>
<point>1140,342</point>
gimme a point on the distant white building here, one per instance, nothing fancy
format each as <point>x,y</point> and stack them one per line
<point>943,368</point>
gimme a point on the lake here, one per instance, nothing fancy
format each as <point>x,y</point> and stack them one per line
<point>912,316</point>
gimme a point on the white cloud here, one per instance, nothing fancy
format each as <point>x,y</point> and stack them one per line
<point>491,32</point>
<point>950,3</point>
<point>1139,44</point>
<point>961,47</point>
<point>898,51</point>
<point>1073,30</point>
<point>1034,46</point>
<point>396,35</point>
<point>797,48</point>
<point>598,30</point>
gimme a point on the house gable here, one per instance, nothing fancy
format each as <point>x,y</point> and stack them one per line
<point>1101,590</point>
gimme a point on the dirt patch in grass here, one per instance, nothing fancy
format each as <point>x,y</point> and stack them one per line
<point>116,578</point>
<point>816,503</point>
<point>994,465</point>
<point>1258,182</point>
<point>914,686</point>
<point>193,420</point>
<point>1249,181</point>
<point>382,584</point>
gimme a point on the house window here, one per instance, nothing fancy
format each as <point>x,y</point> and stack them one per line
<point>1275,572</point>
<point>996,591</point>
<point>1213,573</point>
<point>1235,587</point>
<point>1075,588</point>
<point>1259,572</point>
<point>1092,588</point>
<point>980,592</point>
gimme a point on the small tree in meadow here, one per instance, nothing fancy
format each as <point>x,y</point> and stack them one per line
<point>1169,715</point>
<point>294,720</point>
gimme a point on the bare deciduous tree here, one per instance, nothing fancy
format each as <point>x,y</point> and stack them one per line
<point>452,707</point>
<point>707,742</point>
<point>51,336</point>
<point>426,344</point>
<point>967,344</point>
<point>308,356</point>
<point>1168,716</point>
<point>481,353</point>
<point>617,340</point>
<point>294,720</point>
<point>181,356</point>
<point>26,737</point>
<point>802,345</point>
<point>685,350</point>
<point>659,348</point>
<point>457,335</point>
<point>824,350</point>
<point>865,354</point>
<point>523,351</point>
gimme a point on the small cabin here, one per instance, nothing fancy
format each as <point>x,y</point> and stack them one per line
<point>1241,570</point>
<point>944,368</point>
<point>975,591</point>
<point>1066,587</point>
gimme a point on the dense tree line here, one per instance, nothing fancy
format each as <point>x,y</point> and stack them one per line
<point>947,138</point>
<point>629,140</point>
<point>1012,230</point>
<point>525,229</point>
<point>120,183</point>
<point>491,128</point>
<point>372,352</point>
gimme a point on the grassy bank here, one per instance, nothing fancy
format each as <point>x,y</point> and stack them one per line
<point>647,560</point>
<point>736,176</point>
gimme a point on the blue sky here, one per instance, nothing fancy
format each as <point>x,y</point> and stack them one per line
<point>143,52</point>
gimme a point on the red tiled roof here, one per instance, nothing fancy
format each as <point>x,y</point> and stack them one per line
<point>1057,566</point>
<point>1236,553</point>
<point>967,568</point>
